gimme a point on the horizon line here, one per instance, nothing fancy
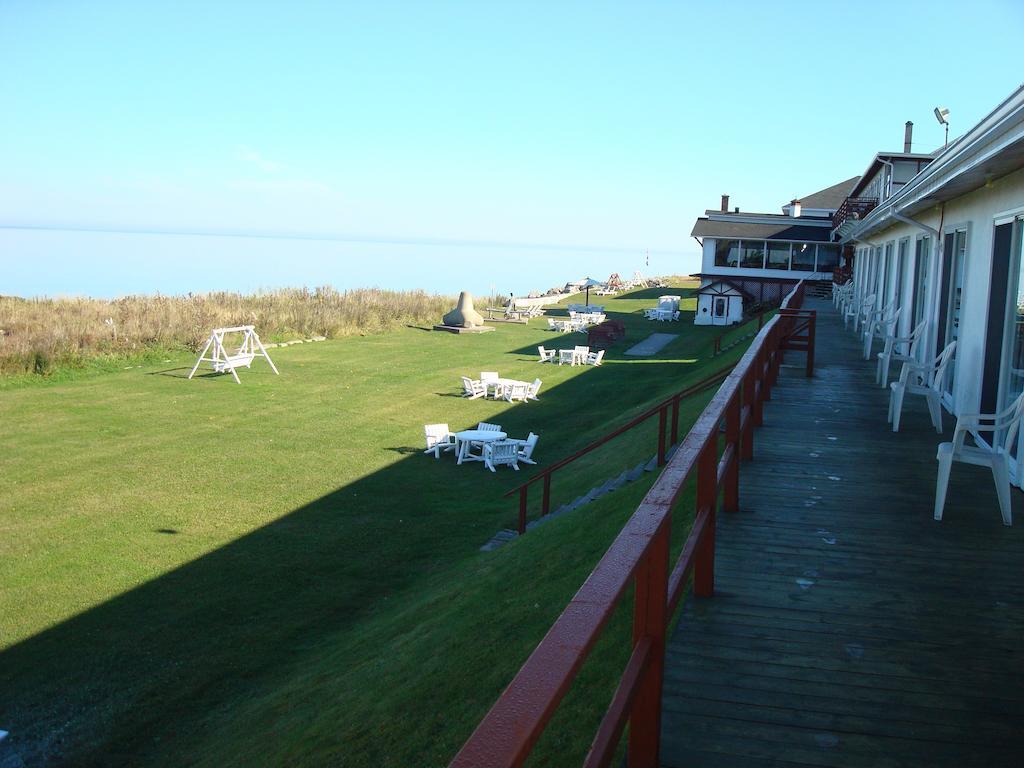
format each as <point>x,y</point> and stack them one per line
<point>337,237</point>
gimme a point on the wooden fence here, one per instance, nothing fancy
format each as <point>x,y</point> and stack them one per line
<point>639,555</point>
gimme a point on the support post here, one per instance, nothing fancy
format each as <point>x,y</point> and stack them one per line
<point>707,498</point>
<point>649,620</point>
<point>731,493</point>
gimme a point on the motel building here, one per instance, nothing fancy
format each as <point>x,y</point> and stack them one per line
<point>828,605</point>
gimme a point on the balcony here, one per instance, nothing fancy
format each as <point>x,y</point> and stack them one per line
<point>854,209</point>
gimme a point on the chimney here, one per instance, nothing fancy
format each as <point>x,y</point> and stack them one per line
<point>794,208</point>
<point>725,203</point>
<point>908,135</point>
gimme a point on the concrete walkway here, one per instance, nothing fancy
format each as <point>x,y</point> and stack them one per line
<point>652,345</point>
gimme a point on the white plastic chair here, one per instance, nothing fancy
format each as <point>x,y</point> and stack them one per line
<point>675,316</point>
<point>547,355</point>
<point>853,311</point>
<point>490,382</point>
<point>995,456</point>
<point>595,358</point>
<point>533,389</point>
<point>501,452</point>
<point>890,354</point>
<point>526,447</point>
<point>519,390</point>
<point>921,379</point>
<point>439,438</point>
<point>473,388</point>
<point>580,354</point>
<point>881,326</point>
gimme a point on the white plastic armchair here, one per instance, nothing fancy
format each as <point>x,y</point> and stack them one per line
<point>855,308</point>
<point>993,453</point>
<point>525,448</point>
<point>490,382</point>
<point>595,358</point>
<point>921,379</point>
<point>880,327</point>
<point>473,388</point>
<point>533,389</point>
<point>547,355</point>
<point>890,353</point>
<point>518,390</point>
<point>501,452</point>
<point>439,438</point>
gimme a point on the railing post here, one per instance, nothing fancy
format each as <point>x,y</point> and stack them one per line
<point>522,509</point>
<point>546,503</point>
<point>731,493</point>
<point>811,323</point>
<point>749,396</point>
<point>707,498</point>
<point>675,421</point>
<point>662,418</point>
<point>650,621</point>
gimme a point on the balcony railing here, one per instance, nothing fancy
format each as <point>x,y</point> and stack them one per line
<point>853,207</point>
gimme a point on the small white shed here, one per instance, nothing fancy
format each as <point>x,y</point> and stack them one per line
<point>719,303</point>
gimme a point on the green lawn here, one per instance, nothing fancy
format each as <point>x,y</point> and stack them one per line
<point>202,573</point>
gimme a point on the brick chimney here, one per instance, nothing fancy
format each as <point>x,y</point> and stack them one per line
<point>908,135</point>
<point>725,203</point>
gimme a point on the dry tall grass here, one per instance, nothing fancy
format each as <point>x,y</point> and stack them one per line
<point>39,335</point>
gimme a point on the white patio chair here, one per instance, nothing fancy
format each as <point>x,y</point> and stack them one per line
<point>519,390</point>
<point>547,355</point>
<point>526,448</point>
<point>921,379</point>
<point>552,325</point>
<point>501,452</point>
<point>490,381</point>
<point>889,352</point>
<point>484,426</point>
<point>675,316</point>
<point>994,454</point>
<point>533,389</point>
<point>880,327</point>
<point>579,354</point>
<point>473,388</point>
<point>439,438</point>
<point>853,310</point>
<point>595,358</point>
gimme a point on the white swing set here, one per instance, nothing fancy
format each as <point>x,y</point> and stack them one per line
<point>222,361</point>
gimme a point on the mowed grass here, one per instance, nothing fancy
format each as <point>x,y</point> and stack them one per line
<point>202,573</point>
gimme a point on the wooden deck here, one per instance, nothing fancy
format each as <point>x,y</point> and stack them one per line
<point>848,627</point>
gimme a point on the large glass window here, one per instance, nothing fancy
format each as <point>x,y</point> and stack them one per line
<point>828,257</point>
<point>727,253</point>
<point>752,254</point>
<point>778,255</point>
<point>803,257</point>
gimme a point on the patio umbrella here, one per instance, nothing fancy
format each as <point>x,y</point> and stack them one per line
<point>588,284</point>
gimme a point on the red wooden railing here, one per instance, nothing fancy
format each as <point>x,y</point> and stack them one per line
<point>640,555</point>
<point>721,337</point>
<point>667,412</point>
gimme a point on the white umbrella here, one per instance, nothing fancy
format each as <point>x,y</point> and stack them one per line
<point>588,284</point>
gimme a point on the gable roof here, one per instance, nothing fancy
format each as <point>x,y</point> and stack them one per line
<point>829,198</point>
<point>717,280</point>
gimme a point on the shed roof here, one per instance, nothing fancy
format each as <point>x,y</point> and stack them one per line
<point>784,230</point>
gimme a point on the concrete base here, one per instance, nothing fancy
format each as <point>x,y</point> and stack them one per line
<point>459,329</point>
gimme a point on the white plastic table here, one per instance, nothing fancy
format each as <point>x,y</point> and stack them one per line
<point>572,357</point>
<point>500,384</point>
<point>467,436</point>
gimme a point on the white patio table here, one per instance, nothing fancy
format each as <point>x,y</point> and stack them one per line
<point>467,436</point>
<point>500,384</point>
<point>572,357</point>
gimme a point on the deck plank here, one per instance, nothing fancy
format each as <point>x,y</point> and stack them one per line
<point>848,628</point>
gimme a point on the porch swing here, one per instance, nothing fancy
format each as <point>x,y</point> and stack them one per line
<point>222,361</point>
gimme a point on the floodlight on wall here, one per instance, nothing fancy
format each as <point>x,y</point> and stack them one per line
<point>942,115</point>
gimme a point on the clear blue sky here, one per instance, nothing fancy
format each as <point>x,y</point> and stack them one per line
<point>604,129</point>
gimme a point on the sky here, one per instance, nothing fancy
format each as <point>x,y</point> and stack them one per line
<point>191,146</point>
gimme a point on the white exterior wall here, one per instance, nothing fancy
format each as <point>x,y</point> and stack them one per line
<point>705,314</point>
<point>977,212</point>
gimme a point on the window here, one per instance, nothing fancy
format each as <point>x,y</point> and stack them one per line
<point>883,297</point>
<point>803,256</point>
<point>752,254</point>
<point>778,255</point>
<point>727,253</point>
<point>922,257</point>
<point>828,257</point>
<point>902,249</point>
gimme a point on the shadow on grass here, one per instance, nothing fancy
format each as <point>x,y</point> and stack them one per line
<point>109,685</point>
